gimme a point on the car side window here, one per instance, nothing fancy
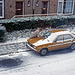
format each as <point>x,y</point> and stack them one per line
<point>59,38</point>
<point>67,37</point>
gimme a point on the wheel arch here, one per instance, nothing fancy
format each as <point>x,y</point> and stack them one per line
<point>71,45</point>
<point>44,48</point>
<point>40,52</point>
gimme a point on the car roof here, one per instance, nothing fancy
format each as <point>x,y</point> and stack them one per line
<point>56,30</point>
<point>60,32</point>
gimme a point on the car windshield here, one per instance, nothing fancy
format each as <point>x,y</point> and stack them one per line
<point>47,34</point>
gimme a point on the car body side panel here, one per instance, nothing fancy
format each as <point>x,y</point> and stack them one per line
<point>51,46</point>
<point>67,43</point>
<point>55,46</point>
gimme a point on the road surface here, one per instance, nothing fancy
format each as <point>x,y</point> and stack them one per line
<point>30,63</point>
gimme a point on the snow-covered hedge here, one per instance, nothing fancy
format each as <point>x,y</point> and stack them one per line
<point>2,33</point>
<point>34,22</point>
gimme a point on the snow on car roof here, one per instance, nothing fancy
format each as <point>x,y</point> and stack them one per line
<point>62,32</point>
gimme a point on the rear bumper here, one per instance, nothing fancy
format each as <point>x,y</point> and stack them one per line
<point>31,47</point>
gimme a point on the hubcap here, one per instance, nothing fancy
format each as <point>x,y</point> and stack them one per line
<point>43,52</point>
<point>73,46</point>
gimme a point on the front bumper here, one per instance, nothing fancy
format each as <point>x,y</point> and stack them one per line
<point>31,47</point>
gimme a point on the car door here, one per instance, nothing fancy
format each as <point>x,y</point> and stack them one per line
<point>67,40</point>
<point>57,44</point>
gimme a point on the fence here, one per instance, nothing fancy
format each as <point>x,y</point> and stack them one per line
<point>39,15</point>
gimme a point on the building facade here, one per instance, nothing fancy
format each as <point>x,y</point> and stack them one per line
<point>10,8</point>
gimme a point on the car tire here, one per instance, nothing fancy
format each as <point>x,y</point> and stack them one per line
<point>72,47</point>
<point>43,51</point>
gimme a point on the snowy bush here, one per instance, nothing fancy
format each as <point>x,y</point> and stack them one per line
<point>2,33</point>
<point>35,22</point>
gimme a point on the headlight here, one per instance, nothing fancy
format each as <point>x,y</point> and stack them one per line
<point>39,48</point>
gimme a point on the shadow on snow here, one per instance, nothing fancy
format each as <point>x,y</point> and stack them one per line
<point>55,52</point>
<point>9,63</point>
<point>61,51</point>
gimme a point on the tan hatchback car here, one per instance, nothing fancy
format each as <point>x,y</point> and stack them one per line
<point>52,40</point>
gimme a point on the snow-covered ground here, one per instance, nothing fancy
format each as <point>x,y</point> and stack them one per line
<point>30,63</point>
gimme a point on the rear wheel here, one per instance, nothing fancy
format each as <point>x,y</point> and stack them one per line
<point>43,52</point>
<point>72,47</point>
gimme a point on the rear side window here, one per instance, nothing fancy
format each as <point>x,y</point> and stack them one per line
<point>68,36</point>
<point>59,38</point>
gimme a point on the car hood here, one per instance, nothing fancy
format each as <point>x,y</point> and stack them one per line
<point>34,40</point>
<point>42,42</point>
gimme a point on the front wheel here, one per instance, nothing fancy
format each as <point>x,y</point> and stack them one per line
<point>43,52</point>
<point>72,47</point>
